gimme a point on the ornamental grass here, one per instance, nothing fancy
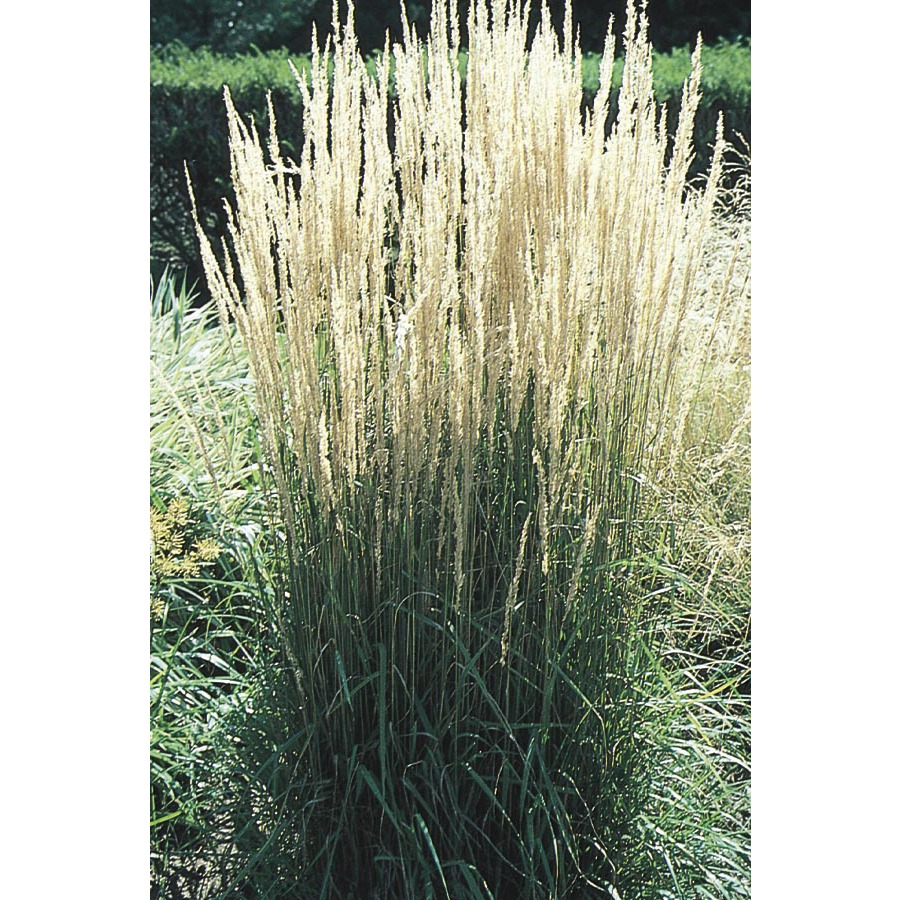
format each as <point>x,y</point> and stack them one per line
<point>482,328</point>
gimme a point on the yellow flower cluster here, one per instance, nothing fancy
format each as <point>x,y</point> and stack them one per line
<point>174,554</point>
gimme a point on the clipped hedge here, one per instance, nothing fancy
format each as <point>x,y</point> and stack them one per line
<point>187,122</point>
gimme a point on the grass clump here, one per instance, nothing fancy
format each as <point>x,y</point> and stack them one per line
<point>208,654</point>
<point>479,351</point>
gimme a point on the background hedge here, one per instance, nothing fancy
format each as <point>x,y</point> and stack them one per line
<point>233,26</point>
<point>188,123</point>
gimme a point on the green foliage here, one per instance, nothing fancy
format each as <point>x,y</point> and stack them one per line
<point>234,26</point>
<point>187,127</point>
<point>206,656</point>
<point>212,727</point>
<point>169,301</point>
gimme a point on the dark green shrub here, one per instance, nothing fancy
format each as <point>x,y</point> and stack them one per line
<point>187,126</point>
<point>235,26</point>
